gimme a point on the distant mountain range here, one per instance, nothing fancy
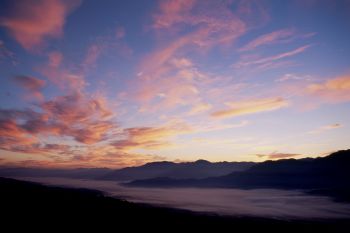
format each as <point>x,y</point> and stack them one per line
<point>196,170</point>
<point>332,171</point>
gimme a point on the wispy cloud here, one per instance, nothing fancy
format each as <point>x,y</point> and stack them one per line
<point>250,107</point>
<point>267,60</point>
<point>294,77</point>
<point>31,22</point>
<point>270,38</point>
<point>199,108</point>
<point>6,54</point>
<point>326,128</point>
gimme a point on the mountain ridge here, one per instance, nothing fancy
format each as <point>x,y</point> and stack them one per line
<point>332,171</point>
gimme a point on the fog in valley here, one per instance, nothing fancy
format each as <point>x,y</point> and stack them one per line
<point>283,204</point>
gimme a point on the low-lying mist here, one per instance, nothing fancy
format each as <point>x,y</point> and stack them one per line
<point>274,203</point>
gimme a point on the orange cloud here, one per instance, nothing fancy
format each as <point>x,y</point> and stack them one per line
<point>83,118</point>
<point>149,137</point>
<point>333,91</point>
<point>31,22</point>
<point>251,107</point>
<point>13,137</point>
<point>32,85</point>
<point>270,38</point>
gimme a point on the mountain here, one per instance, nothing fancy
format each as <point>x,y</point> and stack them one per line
<point>198,169</point>
<point>330,172</point>
<point>78,173</point>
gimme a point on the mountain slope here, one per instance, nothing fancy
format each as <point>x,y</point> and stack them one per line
<point>198,169</point>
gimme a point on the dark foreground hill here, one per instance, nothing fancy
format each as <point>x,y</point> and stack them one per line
<point>330,172</point>
<point>30,206</point>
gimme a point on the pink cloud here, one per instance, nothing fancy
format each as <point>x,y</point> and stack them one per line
<point>55,58</point>
<point>166,77</point>
<point>31,22</point>
<point>172,11</point>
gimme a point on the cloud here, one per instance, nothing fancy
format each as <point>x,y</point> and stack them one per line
<point>167,82</point>
<point>251,107</point>
<point>6,54</point>
<point>83,118</point>
<point>149,137</point>
<point>31,22</point>
<point>199,108</point>
<point>171,12</point>
<point>13,136</point>
<point>326,128</point>
<point>55,58</point>
<point>270,38</point>
<point>277,155</point>
<point>120,33</point>
<point>267,60</point>
<point>33,85</point>
<point>167,78</point>
<point>56,72</point>
<point>335,90</point>
<point>294,77</point>
<point>206,126</point>
<point>214,21</point>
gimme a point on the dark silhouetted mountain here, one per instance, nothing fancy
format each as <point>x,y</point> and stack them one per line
<point>78,173</point>
<point>330,172</point>
<point>198,169</point>
<point>27,206</point>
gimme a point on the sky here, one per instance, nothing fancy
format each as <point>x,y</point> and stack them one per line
<point>122,83</point>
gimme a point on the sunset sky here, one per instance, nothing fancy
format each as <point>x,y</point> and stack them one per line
<point>121,83</point>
